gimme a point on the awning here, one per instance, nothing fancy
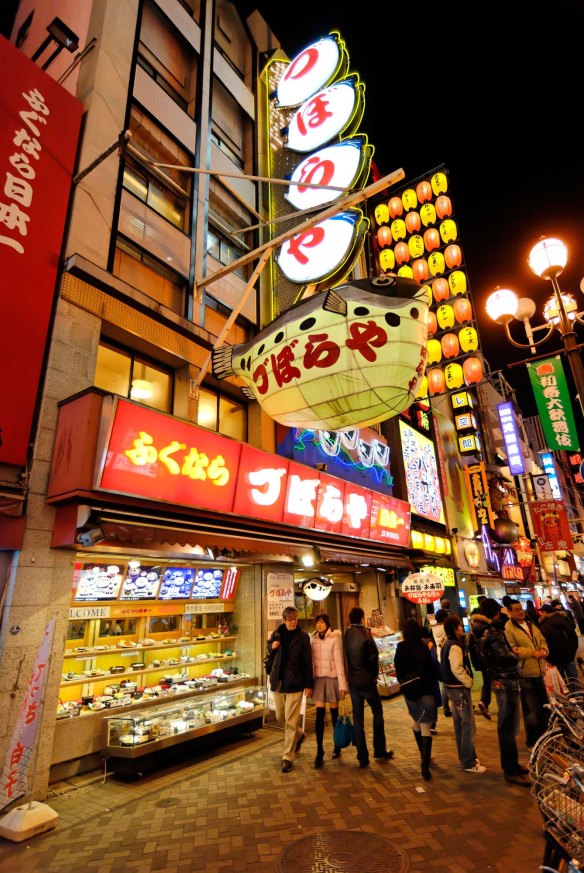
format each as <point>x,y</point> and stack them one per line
<point>420,558</point>
<point>12,533</point>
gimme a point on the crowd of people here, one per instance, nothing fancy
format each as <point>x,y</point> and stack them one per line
<point>515,649</point>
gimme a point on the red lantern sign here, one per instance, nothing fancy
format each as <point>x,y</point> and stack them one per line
<point>384,237</point>
<point>402,253</point>
<point>424,191</point>
<point>443,206</point>
<point>432,323</point>
<point>472,369</point>
<point>440,290</point>
<point>436,380</point>
<point>462,309</point>
<point>413,221</point>
<point>420,270</point>
<point>431,239</point>
<point>450,345</point>
<point>396,207</point>
<point>453,256</point>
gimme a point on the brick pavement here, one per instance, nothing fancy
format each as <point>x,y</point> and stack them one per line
<point>233,811</point>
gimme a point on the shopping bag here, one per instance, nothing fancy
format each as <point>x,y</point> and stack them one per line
<point>343,732</point>
<point>554,683</point>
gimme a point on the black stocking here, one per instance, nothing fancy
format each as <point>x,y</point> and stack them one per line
<point>319,727</point>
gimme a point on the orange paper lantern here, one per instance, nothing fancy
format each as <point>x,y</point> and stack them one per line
<point>462,309</point>
<point>402,253</point>
<point>473,371</point>
<point>420,270</point>
<point>432,323</point>
<point>396,207</point>
<point>450,345</point>
<point>443,206</point>
<point>431,239</point>
<point>453,256</point>
<point>398,228</point>
<point>413,221</point>
<point>387,260</point>
<point>436,381</point>
<point>424,191</point>
<point>384,237</point>
<point>440,290</point>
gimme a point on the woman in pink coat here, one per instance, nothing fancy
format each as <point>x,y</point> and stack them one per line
<point>330,682</point>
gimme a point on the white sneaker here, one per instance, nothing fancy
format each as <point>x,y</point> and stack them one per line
<point>477,768</point>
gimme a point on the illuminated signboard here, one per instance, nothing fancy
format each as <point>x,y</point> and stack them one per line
<point>547,460</point>
<point>177,583</point>
<point>210,471</point>
<point>315,253</point>
<point>94,582</point>
<point>421,470</point>
<point>207,583</point>
<point>550,523</point>
<point>476,482</point>
<point>141,582</point>
<point>325,115</point>
<point>339,165</point>
<point>511,438</point>
<point>311,70</point>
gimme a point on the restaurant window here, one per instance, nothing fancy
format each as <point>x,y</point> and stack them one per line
<point>121,371</point>
<point>167,57</point>
<point>220,413</point>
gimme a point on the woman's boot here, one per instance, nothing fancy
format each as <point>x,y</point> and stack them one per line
<point>426,750</point>
<point>418,737</point>
<point>319,731</point>
<point>334,717</point>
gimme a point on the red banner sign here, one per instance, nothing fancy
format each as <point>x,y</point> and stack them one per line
<point>161,458</point>
<point>39,128</point>
<point>550,524</point>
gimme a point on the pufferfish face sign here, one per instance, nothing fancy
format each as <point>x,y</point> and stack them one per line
<point>317,588</point>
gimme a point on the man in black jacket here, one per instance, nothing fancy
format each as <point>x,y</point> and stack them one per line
<point>362,672</point>
<point>501,665</point>
<point>289,666</point>
<point>562,639</point>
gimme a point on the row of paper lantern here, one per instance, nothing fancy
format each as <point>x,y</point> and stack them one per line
<point>447,315</point>
<point>437,379</point>
<point>433,237</point>
<point>420,269</point>
<point>424,193</point>
<point>450,345</point>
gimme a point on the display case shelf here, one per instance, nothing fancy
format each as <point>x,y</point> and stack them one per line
<point>115,677</point>
<point>386,643</point>
<point>83,653</point>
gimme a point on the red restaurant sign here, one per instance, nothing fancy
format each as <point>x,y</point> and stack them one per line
<point>158,457</point>
<point>550,524</point>
<point>39,128</point>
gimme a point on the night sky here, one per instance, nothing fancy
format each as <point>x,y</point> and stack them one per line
<point>498,101</point>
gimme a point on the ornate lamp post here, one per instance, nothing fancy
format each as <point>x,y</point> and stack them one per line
<point>547,260</point>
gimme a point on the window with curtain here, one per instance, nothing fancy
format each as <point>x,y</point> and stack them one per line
<point>167,57</point>
<point>220,413</point>
<point>121,371</point>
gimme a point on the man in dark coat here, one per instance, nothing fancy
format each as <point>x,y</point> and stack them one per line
<point>289,666</point>
<point>362,672</point>
<point>561,638</point>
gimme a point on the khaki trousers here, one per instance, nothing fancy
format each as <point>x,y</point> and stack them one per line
<point>288,717</point>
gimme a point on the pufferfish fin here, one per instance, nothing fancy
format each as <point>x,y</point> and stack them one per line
<point>333,302</point>
<point>222,362</point>
<point>247,392</point>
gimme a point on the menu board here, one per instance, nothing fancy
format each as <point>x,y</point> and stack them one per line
<point>97,582</point>
<point>207,584</point>
<point>141,583</point>
<point>177,583</point>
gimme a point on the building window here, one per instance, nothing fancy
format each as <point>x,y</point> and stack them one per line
<point>222,414</point>
<point>231,126</point>
<point>224,250</point>
<point>157,196</point>
<point>121,371</point>
<point>139,269</point>
<point>167,57</point>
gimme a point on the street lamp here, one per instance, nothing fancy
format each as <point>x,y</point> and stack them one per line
<point>547,260</point>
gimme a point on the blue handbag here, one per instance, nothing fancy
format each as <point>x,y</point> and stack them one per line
<point>343,732</point>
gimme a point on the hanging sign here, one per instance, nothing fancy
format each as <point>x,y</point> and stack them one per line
<point>476,484</point>
<point>550,523</point>
<point>550,389</point>
<point>314,254</point>
<point>422,587</point>
<point>312,69</point>
<point>511,438</point>
<point>339,165</point>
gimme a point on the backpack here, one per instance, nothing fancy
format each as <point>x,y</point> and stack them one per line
<point>496,656</point>
<point>474,651</point>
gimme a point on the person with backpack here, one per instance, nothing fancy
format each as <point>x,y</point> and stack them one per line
<point>477,662</point>
<point>562,640</point>
<point>501,665</point>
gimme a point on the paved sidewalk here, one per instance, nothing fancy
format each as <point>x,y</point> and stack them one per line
<point>233,811</point>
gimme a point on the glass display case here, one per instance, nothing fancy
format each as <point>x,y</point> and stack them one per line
<point>136,735</point>
<point>386,643</point>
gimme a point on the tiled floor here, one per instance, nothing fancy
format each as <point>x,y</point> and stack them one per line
<point>234,811</point>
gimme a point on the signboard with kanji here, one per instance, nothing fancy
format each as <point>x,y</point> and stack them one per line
<point>422,587</point>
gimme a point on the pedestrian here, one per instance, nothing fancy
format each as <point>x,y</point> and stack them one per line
<point>289,666</point>
<point>476,628</point>
<point>445,605</point>
<point>577,611</point>
<point>362,671</point>
<point>563,610</point>
<point>531,613</point>
<point>562,641</point>
<point>506,600</point>
<point>502,667</point>
<point>527,641</point>
<point>330,683</point>
<point>439,635</point>
<point>415,673</point>
<point>429,641</point>
<point>458,678</point>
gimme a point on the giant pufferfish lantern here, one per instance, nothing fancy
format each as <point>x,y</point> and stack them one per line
<point>344,358</point>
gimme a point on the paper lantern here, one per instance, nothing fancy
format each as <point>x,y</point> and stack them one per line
<point>436,381</point>
<point>395,207</point>
<point>387,259</point>
<point>406,271</point>
<point>432,323</point>
<point>445,316</point>
<point>473,371</point>
<point>436,263</point>
<point>416,246</point>
<point>381,213</point>
<point>420,270</point>
<point>384,237</point>
<point>453,256</point>
<point>422,392</point>
<point>417,538</point>
<point>439,183</point>
<point>468,338</point>
<point>431,239</point>
<point>462,309</point>
<point>434,351</point>
<point>428,291</point>
<point>450,345</point>
<point>402,253</point>
<point>457,282</point>
<point>349,369</point>
<point>428,214</point>
<point>398,228</point>
<point>505,531</point>
<point>448,230</point>
<point>413,221</point>
<point>453,375</point>
<point>424,191</point>
<point>440,290</point>
<point>409,199</point>
<point>443,206</point>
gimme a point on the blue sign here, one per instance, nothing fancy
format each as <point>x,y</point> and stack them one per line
<point>511,438</point>
<point>549,468</point>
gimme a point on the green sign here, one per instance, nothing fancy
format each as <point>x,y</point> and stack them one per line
<point>548,381</point>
